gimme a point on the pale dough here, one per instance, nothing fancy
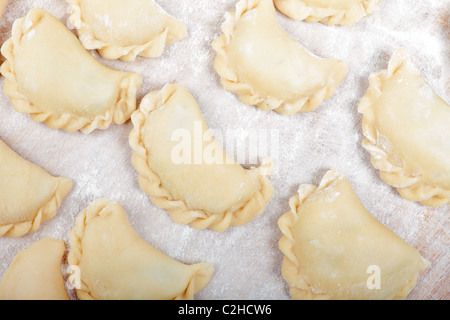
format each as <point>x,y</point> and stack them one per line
<point>332,244</point>
<point>116,264</point>
<point>264,66</point>
<point>35,273</point>
<point>124,29</point>
<point>205,194</point>
<point>28,194</point>
<point>329,12</point>
<point>53,78</point>
<point>407,130</point>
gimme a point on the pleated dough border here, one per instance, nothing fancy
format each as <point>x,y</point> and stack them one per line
<point>409,185</point>
<point>124,107</point>
<point>99,209</point>
<point>300,289</point>
<point>178,209</point>
<point>151,49</point>
<point>230,80</point>
<point>299,10</point>
<point>46,212</point>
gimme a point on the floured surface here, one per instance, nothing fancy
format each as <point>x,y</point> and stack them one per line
<point>247,258</point>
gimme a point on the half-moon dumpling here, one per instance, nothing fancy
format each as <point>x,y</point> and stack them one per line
<point>335,249</point>
<point>53,78</point>
<point>116,264</point>
<point>124,29</point>
<point>28,194</point>
<point>264,66</point>
<point>195,181</point>
<point>330,12</point>
<point>35,273</point>
<point>407,127</point>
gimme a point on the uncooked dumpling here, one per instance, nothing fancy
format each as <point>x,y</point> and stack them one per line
<point>35,273</point>
<point>264,66</point>
<point>28,194</point>
<point>124,29</point>
<point>53,78</point>
<point>334,248</point>
<point>196,182</point>
<point>116,264</point>
<point>407,127</point>
<point>330,12</point>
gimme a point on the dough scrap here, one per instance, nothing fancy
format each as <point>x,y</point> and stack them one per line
<point>264,66</point>
<point>35,273</point>
<point>116,264</point>
<point>329,12</point>
<point>121,29</point>
<point>53,78</point>
<point>331,242</point>
<point>215,194</point>
<point>28,194</point>
<point>406,126</point>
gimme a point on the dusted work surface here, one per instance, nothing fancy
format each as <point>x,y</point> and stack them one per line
<point>247,259</point>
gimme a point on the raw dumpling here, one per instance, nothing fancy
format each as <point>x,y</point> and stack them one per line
<point>116,264</point>
<point>124,29</point>
<point>28,194</point>
<point>35,273</point>
<point>53,78</point>
<point>407,127</point>
<point>206,188</point>
<point>334,248</point>
<point>264,66</point>
<point>330,12</point>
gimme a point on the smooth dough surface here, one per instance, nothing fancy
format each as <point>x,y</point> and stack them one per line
<point>53,78</point>
<point>28,194</point>
<point>35,273</point>
<point>115,263</point>
<point>124,29</point>
<point>331,242</point>
<point>211,193</point>
<point>407,130</point>
<point>329,12</point>
<point>264,66</point>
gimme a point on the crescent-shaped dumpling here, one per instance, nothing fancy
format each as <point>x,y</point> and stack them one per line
<point>116,264</point>
<point>35,273</point>
<point>124,29</point>
<point>335,249</point>
<point>53,78</point>
<point>407,130</point>
<point>329,12</point>
<point>203,187</point>
<point>28,194</point>
<point>264,66</point>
